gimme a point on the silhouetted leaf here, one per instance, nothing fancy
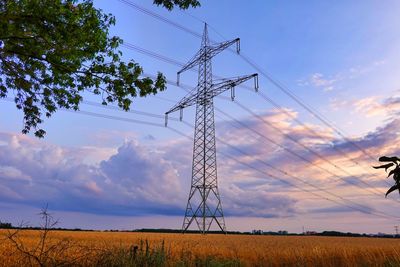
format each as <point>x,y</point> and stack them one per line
<point>386,166</point>
<point>388,159</point>
<point>396,186</point>
<point>396,177</point>
<point>393,171</point>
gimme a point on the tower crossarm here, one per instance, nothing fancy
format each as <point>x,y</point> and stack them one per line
<point>208,52</point>
<point>194,61</point>
<point>196,96</point>
<point>215,49</point>
<point>187,101</point>
<point>226,84</point>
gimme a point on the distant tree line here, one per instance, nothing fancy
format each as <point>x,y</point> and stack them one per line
<point>261,232</point>
<point>5,225</point>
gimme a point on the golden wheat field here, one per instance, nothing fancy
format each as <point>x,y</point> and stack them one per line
<point>67,248</point>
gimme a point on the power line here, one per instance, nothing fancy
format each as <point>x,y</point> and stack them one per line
<point>275,143</point>
<point>294,118</point>
<point>98,115</point>
<point>151,53</point>
<point>260,93</point>
<point>360,208</point>
<point>93,114</point>
<point>105,116</point>
<point>305,147</point>
<point>312,151</point>
<point>148,114</point>
<point>378,192</point>
<point>302,180</point>
<point>292,95</point>
<point>91,103</point>
<point>159,17</point>
<point>297,99</point>
<point>316,114</point>
<point>219,110</point>
<point>159,117</point>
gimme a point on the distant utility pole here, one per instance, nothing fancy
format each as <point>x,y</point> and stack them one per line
<point>396,229</point>
<point>204,203</point>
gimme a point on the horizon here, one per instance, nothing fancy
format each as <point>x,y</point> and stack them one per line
<point>4,225</point>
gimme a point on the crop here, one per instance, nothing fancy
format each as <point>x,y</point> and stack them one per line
<point>155,249</point>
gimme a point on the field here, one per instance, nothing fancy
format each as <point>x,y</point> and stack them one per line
<point>67,248</point>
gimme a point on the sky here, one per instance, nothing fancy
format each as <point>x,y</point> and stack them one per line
<point>278,168</point>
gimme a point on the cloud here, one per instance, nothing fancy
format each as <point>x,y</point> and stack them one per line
<point>357,71</point>
<point>337,104</point>
<point>318,80</point>
<point>342,166</point>
<point>369,106</point>
<point>392,104</point>
<point>257,203</point>
<point>340,209</point>
<point>135,179</point>
<point>331,82</point>
<point>378,106</point>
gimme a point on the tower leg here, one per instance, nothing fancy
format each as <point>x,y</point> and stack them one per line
<point>204,202</point>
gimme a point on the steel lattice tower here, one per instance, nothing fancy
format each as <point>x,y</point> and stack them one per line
<point>204,203</point>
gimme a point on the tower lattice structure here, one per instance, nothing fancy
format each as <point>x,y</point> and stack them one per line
<point>204,203</point>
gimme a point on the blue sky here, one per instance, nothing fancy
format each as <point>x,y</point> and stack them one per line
<point>341,58</point>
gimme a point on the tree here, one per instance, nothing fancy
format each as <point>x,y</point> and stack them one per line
<point>52,51</point>
<point>5,225</point>
<point>184,4</point>
<point>394,163</point>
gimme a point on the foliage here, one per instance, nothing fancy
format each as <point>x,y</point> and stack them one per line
<point>51,51</point>
<point>169,4</point>
<point>395,171</point>
<point>135,255</point>
<point>5,225</point>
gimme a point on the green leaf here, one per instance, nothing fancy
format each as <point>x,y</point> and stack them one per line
<point>183,4</point>
<point>53,51</point>
<point>396,186</point>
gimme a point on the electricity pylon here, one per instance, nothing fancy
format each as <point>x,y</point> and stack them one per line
<point>204,203</point>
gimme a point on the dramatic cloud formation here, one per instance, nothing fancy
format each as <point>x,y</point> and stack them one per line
<point>132,181</point>
<point>271,174</point>
<point>343,167</point>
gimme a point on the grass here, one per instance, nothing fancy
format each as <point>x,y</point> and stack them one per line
<point>152,249</point>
